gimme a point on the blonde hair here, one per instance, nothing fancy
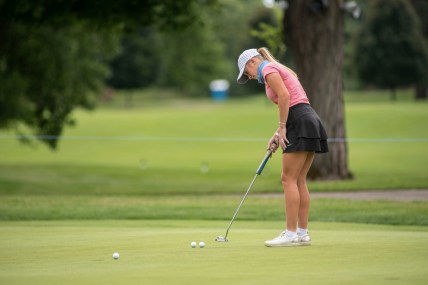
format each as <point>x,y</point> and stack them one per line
<point>268,56</point>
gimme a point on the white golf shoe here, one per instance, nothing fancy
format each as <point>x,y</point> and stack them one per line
<point>304,239</point>
<point>283,240</point>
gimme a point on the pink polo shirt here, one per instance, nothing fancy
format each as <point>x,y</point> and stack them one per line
<point>292,83</point>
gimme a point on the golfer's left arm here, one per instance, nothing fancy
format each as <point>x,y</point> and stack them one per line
<point>277,84</point>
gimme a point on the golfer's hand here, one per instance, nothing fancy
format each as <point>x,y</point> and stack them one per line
<point>283,142</point>
<point>273,143</point>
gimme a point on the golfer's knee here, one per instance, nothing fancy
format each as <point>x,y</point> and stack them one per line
<point>288,179</point>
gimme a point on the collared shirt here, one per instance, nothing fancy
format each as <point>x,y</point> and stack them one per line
<point>291,82</point>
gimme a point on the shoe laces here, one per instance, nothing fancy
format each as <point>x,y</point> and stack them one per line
<point>284,234</point>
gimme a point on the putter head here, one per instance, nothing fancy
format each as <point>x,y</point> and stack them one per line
<point>221,239</point>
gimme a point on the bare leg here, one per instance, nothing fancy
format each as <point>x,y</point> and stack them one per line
<point>304,193</point>
<point>292,166</point>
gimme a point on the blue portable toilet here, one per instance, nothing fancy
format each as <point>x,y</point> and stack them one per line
<point>219,89</point>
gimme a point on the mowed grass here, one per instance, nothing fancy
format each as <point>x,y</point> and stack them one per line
<point>205,207</point>
<point>147,181</point>
<point>159,252</point>
<point>177,159</point>
<point>161,150</point>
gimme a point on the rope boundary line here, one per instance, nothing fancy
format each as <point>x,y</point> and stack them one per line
<point>199,139</point>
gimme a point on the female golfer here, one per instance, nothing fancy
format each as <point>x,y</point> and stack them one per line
<point>300,134</point>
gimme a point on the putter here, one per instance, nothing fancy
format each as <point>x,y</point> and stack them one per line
<point>258,172</point>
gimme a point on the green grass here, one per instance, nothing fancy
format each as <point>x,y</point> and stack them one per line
<point>205,207</point>
<point>159,252</point>
<point>160,149</point>
<point>145,156</point>
<point>130,180</point>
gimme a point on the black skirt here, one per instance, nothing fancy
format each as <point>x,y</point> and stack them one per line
<point>305,131</point>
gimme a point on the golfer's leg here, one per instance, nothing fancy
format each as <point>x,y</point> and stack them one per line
<point>292,164</point>
<point>303,216</point>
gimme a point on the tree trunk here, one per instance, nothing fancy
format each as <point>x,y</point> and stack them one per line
<point>314,34</point>
<point>421,91</point>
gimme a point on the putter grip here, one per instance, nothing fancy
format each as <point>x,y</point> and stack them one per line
<point>265,160</point>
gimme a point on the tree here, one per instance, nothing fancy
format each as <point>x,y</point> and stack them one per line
<point>390,50</point>
<point>191,59</point>
<point>267,29</point>
<point>139,62</point>
<point>167,14</point>
<point>237,19</point>
<point>54,54</point>
<point>45,74</point>
<point>314,33</point>
<point>185,59</point>
<point>421,8</point>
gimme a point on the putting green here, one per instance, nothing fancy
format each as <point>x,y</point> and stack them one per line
<point>159,252</point>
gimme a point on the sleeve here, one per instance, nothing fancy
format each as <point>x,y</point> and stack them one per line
<point>269,68</point>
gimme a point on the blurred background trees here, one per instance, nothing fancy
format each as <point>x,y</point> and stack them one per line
<point>421,8</point>
<point>390,50</point>
<point>56,56</point>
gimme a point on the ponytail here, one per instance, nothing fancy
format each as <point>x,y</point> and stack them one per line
<point>268,56</point>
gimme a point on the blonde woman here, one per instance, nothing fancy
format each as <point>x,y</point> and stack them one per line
<point>300,134</point>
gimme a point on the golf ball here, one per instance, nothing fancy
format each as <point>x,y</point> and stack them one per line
<point>201,244</point>
<point>204,167</point>
<point>193,244</point>
<point>116,255</point>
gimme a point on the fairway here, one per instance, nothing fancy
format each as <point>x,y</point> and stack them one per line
<point>162,150</point>
<point>146,182</point>
<point>159,252</point>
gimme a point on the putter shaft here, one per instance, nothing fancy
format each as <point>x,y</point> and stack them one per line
<point>258,172</point>
<point>239,207</point>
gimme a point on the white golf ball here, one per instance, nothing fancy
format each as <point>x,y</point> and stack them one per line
<point>201,244</point>
<point>116,255</point>
<point>204,167</point>
<point>193,244</point>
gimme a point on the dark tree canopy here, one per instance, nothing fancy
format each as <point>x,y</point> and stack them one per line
<point>390,50</point>
<point>54,54</point>
<point>166,13</point>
